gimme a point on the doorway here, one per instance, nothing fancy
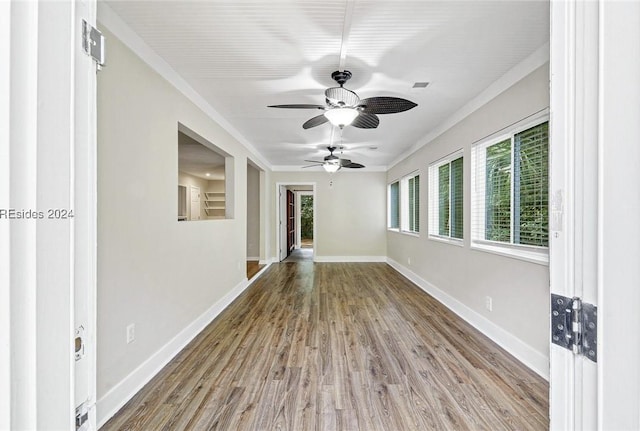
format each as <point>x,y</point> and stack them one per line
<point>304,219</point>
<point>296,210</point>
<point>255,253</point>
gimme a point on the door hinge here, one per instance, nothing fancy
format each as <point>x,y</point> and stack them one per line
<point>93,43</point>
<point>82,416</point>
<point>574,325</point>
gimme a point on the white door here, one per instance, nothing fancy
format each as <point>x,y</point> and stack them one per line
<point>85,229</point>
<point>47,150</point>
<point>594,207</point>
<point>195,203</point>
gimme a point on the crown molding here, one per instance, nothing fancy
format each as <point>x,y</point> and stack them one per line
<point>115,24</point>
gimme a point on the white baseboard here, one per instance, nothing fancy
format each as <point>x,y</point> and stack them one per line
<point>253,258</point>
<point>112,401</point>
<point>536,361</point>
<point>350,258</point>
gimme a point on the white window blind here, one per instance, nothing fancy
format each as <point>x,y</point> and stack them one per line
<point>410,210</point>
<point>394,206</point>
<point>510,188</point>
<point>446,197</point>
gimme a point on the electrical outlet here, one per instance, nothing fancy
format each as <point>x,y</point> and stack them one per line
<point>131,333</point>
<point>488,303</point>
<point>409,260</point>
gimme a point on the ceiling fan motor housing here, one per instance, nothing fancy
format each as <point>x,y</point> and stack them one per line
<point>341,76</point>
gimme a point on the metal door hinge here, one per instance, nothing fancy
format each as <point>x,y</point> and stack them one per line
<point>93,43</point>
<point>82,416</point>
<point>574,325</point>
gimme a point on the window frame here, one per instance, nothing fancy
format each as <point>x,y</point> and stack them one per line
<point>530,253</point>
<point>434,199</point>
<point>389,207</point>
<point>405,216</point>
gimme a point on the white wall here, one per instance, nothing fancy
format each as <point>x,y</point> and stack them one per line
<point>520,290</point>
<point>253,213</point>
<point>166,277</point>
<point>350,213</point>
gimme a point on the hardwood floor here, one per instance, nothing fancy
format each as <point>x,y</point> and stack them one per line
<point>338,346</point>
<point>253,267</point>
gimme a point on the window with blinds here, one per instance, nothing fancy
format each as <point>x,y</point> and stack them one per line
<point>393,206</point>
<point>510,201</point>
<point>446,197</point>
<point>414,204</point>
<point>410,203</point>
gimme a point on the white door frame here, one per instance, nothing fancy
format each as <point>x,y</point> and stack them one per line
<point>44,157</point>
<point>299,195</point>
<point>594,229</point>
<point>5,247</point>
<point>280,217</point>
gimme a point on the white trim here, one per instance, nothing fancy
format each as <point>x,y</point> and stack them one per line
<point>536,361</point>
<point>539,255</point>
<point>253,258</point>
<point>538,58</point>
<point>5,233</point>
<point>115,24</point>
<point>350,259</point>
<point>121,393</point>
<point>459,242</point>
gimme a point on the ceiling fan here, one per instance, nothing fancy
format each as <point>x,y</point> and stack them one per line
<point>344,107</point>
<point>333,163</point>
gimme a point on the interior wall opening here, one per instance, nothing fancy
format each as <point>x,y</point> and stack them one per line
<point>204,179</point>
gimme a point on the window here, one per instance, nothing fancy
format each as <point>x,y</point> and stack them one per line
<point>403,204</point>
<point>446,197</point>
<point>411,203</point>
<point>510,193</point>
<point>393,218</point>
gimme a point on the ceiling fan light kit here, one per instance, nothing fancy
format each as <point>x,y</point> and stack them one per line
<point>333,163</point>
<point>332,166</point>
<point>341,117</point>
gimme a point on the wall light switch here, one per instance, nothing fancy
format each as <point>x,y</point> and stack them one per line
<point>488,303</point>
<point>131,333</point>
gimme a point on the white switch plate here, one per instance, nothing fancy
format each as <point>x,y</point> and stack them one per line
<point>131,333</point>
<point>488,303</point>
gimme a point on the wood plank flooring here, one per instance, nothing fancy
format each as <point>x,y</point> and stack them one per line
<point>253,267</point>
<point>338,346</point>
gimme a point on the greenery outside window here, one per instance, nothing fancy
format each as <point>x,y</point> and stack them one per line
<point>446,220</point>
<point>510,201</point>
<point>410,203</point>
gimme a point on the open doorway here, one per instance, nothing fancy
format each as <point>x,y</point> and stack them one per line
<point>255,257</point>
<point>296,209</point>
<point>304,218</point>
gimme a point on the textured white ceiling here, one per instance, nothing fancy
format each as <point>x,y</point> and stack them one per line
<point>244,55</point>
